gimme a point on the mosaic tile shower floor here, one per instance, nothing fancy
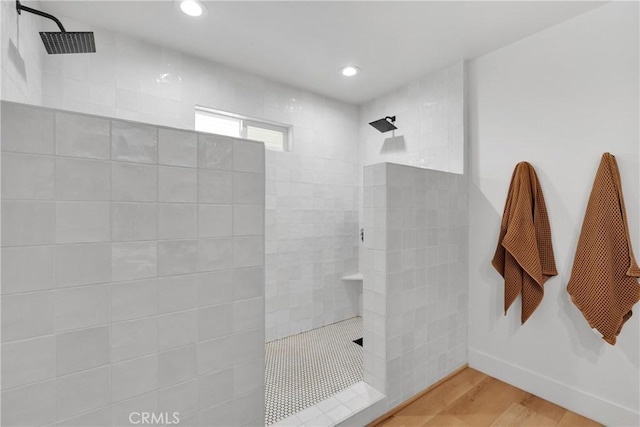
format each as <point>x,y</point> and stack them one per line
<point>305,368</point>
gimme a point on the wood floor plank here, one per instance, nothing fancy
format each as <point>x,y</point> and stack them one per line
<point>471,398</point>
<point>444,421</point>
<point>399,421</point>
<point>571,419</point>
<point>405,421</point>
<point>544,407</point>
<point>445,394</point>
<point>483,404</point>
<point>519,415</point>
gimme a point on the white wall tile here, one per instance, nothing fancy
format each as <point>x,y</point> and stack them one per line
<point>249,408</point>
<point>215,220</point>
<point>177,293</point>
<point>177,148</point>
<point>248,220</point>
<point>81,350</point>
<point>133,339</point>
<point>248,377</point>
<point>132,300</point>
<point>416,263</point>
<point>27,177</point>
<point>81,179</point>
<point>248,314</point>
<point>178,329</point>
<point>147,402</point>
<point>215,186</point>
<point>215,321</point>
<point>33,404</point>
<point>82,307</point>
<point>215,254</point>
<point>27,223</point>
<point>248,282</point>
<point>215,354</point>
<point>26,269</point>
<point>177,257</point>
<point>177,221</point>
<point>79,222</point>
<point>27,130</point>
<point>28,361</point>
<point>130,261</point>
<point>87,313</point>
<point>213,388</point>
<point>134,221</point>
<point>248,188</point>
<point>99,418</point>
<point>134,377</point>
<point>27,315</point>
<point>248,251</point>
<point>248,157</point>
<point>82,392</point>
<point>181,398</point>
<point>215,287</point>
<point>177,365</point>
<point>82,136</point>
<point>218,415</point>
<point>177,184</point>
<point>133,142</point>
<point>246,345</point>
<point>215,152</point>
<point>82,264</point>
<point>134,183</point>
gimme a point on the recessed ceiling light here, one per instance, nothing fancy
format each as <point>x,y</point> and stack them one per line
<point>192,7</point>
<point>350,71</point>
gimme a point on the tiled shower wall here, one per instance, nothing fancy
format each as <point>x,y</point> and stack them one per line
<point>22,55</point>
<point>132,272</point>
<point>430,119</point>
<point>415,269</point>
<point>430,116</point>
<point>311,242</point>
<point>312,191</point>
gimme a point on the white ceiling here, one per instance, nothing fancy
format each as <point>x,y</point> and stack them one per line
<point>306,43</point>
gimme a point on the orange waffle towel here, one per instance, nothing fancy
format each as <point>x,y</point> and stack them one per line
<point>524,256</point>
<point>604,284</point>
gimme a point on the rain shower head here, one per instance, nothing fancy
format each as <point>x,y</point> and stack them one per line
<point>68,42</point>
<point>385,125</point>
<point>62,41</point>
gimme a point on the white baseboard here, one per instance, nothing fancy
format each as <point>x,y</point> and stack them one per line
<point>578,401</point>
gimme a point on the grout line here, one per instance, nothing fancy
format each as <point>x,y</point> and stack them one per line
<point>54,250</point>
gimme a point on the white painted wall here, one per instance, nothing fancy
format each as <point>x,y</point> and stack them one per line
<point>312,192</point>
<point>22,54</point>
<point>557,99</point>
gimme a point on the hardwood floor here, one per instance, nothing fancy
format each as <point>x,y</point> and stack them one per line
<point>471,398</point>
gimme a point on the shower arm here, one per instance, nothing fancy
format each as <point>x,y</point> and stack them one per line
<point>20,8</point>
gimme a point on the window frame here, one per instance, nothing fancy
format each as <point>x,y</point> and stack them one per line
<point>245,121</point>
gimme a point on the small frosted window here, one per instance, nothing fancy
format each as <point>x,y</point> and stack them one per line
<point>273,139</point>
<point>216,123</point>
<point>275,136</point>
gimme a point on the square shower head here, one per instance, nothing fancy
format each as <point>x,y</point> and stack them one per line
<point>68,42</point>
<point>384,125</point>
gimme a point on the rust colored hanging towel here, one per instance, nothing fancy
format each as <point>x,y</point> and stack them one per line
<point>604,284</point>
<point>524,256</point>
